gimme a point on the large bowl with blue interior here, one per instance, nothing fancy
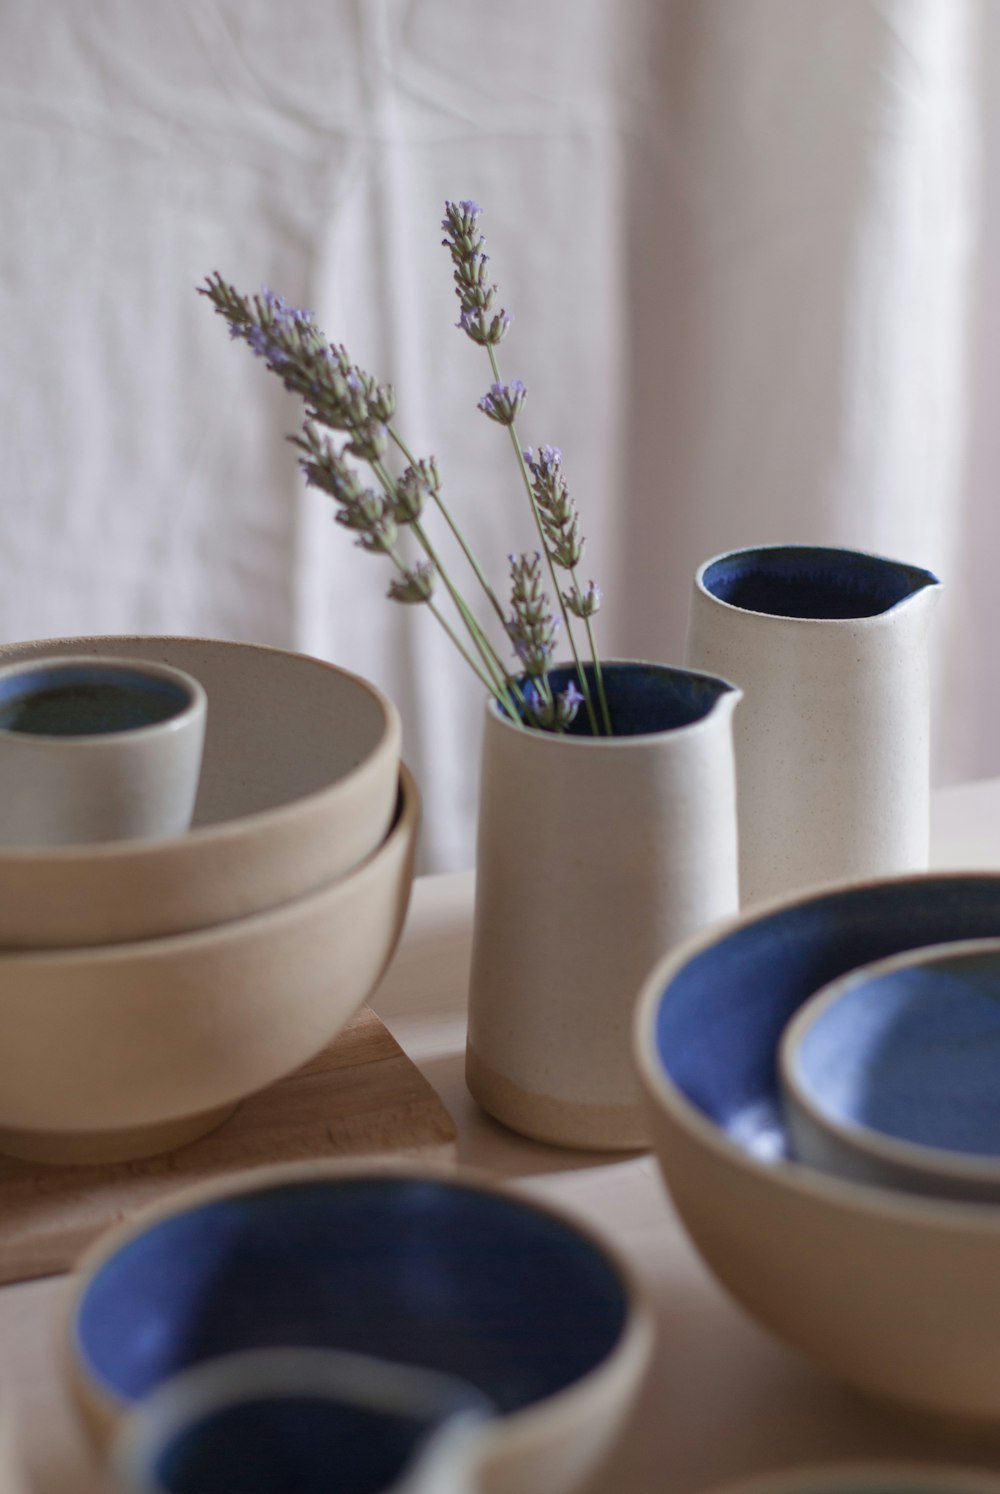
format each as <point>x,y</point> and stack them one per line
<point>430,1267</point>
<point>892,1293</point>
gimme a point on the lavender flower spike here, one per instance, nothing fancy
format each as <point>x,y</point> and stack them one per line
<point>503,402</point>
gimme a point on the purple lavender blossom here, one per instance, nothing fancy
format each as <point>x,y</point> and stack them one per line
<point>583,603</point>
<point>503,402</point>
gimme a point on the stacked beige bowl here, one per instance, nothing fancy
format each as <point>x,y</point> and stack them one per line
<point>146,987</point>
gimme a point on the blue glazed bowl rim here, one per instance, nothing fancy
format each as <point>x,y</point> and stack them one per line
<point>934,1161</point>
<point>931,583</point>
<point>547,741</point>
<point>661,1094</point>
<point>630,1354</point>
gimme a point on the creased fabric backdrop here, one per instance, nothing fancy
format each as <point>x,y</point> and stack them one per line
<point>742,242</point>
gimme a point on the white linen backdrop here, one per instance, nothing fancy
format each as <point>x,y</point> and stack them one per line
<point>740,239</point>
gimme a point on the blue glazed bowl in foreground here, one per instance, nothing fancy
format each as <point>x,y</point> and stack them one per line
<point>889,1075</point>
<point>437,1269</point>
<point>893,1293</point>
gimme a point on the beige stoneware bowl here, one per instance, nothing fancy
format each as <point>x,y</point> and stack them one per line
<point>441,1268</point>
<point>124,1050</point>
<point>298,785</point>
<point>880,1477</point>
<point>893,1293</point>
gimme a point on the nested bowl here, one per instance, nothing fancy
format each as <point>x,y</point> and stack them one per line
<point>889,1075</point>
<point>298,785</point>
<point>421,1266</point>
<point>892,1293</point>
<point>123,1050</point>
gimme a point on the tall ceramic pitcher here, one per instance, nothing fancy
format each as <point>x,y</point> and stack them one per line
<point>830,648</point>
<point>595,856</point>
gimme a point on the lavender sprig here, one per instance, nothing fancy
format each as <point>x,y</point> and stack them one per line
<point>342,397</point>
<point>532,625</point>
<point>503,403</point>
<point>561,526</point>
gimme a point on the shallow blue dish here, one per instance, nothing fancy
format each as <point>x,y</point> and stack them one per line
<point>890,1074</point>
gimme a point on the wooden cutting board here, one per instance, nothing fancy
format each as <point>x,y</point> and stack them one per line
<point>362,1096</point>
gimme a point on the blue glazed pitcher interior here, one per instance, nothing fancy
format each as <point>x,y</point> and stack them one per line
<point>816,582</point>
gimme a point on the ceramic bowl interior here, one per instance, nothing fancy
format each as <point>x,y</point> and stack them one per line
<point>467,1281</point>
<point>890,1292</point>
<point>297,787</point>
<point>740,990</point>
<point>889,1075</point>
<point>304,1419</point>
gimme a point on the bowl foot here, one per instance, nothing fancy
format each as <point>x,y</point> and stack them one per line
<point>599,1128</point>
<point>80,1148</point>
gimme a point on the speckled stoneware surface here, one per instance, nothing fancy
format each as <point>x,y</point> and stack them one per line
<point>889,1075</point>
<point>128,1050</point>
<point>892,1293</point>
<point>594,856</point>
<point>830,648</point>
<point>442,1269</point>
<point>298,785</point>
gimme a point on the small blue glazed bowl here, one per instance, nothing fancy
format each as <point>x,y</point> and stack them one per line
<point>439,1269</point>
<point>889,1075</point>
<point>310,1420</point>
<point>892,1292</point>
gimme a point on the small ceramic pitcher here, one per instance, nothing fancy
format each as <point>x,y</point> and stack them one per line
<point>267,1420</point>
<point>595,855</point>
<point>830,648</point>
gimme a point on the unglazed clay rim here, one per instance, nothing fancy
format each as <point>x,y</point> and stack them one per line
<point>402,825</point>
<point>194,706</point>
<point>502,1437</point>
<point>918,1211</point>
<point>870,620</point>
<point>885,1476</point>
<point>936,1164</point>
<point>546,741</point>
<point>301,808</point>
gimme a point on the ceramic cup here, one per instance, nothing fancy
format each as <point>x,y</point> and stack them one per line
<point>97,749</point>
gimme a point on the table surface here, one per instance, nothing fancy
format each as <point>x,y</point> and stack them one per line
<point>723,1399</point>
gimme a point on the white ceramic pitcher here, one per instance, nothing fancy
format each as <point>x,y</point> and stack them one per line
<point>595,856</point>
<point>830,648</point>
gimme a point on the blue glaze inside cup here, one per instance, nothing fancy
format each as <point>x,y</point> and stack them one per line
<point>75,700</point>
<point>422,1272</point>
<point>914,1054</point>
<point>719,1021</point>
<point>643,698</point>
<point>301,1444</point>
<point>812,582</point>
